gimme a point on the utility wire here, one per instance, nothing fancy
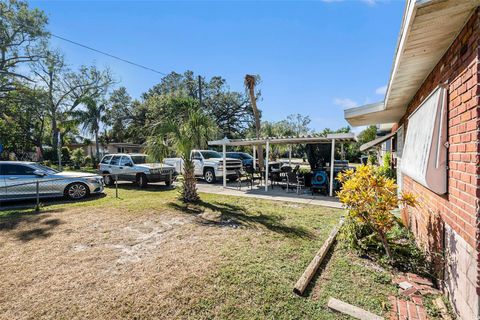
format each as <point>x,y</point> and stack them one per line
<point>108,54</point>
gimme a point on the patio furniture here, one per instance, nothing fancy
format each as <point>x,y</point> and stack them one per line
<point>239,179</point>
<point>293,177</point>
<point>253,175</point>
<point>300,182</point>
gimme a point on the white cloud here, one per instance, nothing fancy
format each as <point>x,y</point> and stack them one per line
<point>382,90</point>
<point>345,103</point>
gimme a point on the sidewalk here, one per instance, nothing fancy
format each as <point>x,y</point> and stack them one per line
<point>275,194</point>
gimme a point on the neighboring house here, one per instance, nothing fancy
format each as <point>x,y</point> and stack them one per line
<point>433,101</point>
<point>112,147</point>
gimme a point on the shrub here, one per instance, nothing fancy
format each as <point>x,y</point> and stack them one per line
<point>372,159</point>
<point>78,157</point>
<point>369,197</point>
<point>88,161</point>
<point>386,168</point>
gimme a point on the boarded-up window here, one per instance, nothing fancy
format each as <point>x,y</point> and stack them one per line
<point>425,156</point>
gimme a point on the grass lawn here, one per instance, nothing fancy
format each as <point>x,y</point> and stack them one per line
<point>146,255</point>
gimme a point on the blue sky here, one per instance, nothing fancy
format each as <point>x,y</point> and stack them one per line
<point>314,57</point>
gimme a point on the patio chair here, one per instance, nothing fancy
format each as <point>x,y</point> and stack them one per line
<point>252,175</point>
<point>239,179</point>
<point>300,182</point>
<point>285,175</point>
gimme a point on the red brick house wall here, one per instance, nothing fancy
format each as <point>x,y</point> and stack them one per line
<point>440,222</point>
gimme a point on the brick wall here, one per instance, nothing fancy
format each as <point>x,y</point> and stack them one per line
<point>458,210</point>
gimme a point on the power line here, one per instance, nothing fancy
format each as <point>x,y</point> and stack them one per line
<point>108,54</point>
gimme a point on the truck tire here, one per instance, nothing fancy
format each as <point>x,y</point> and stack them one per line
<point>108,179</point>
<point>209,175</point>
<point>142,180</point>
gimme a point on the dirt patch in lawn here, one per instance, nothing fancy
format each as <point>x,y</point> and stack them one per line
<point>102,263</point>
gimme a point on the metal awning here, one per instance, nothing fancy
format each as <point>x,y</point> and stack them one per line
<point>339,137</point>
<point>377,141</point>
<point>329,139</point>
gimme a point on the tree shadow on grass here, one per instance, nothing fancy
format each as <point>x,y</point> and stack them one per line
<point>37,225</point>
<point>229,215</point>
<point>151,187</point>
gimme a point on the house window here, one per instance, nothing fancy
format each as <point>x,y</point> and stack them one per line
<point>120,150</point>
<point>424,156</point>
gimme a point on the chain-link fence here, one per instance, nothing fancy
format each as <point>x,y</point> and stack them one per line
<point>30,190</point>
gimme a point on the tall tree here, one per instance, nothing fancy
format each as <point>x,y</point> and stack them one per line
<point>91,117</point>
<point>230,110</point>
<point>120,114</point>
<point>23,120</point>
<point>250,82</point>
<point>299,124</point>
<point>22,34</point>
<point>182,137</point>
<point>67,89</point>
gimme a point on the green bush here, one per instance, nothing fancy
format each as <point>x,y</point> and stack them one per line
<point>386,168</point>
<point>78,157</point>
<point>88,161</point>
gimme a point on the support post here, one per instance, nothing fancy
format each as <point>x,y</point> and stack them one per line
<point>332,167</point>
<point>266,165</point>
<point>342,152</point>
<point>254,157</point>
<point>37,191</point>
<point>116,186</point>
<point>224,149</point>
<point>290,155</point>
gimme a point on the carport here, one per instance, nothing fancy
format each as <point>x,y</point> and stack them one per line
<point>254,143</point>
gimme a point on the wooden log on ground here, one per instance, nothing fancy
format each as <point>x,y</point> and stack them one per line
<point>356,312</point>
<point>312,268</point>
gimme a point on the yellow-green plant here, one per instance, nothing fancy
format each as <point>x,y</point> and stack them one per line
<point>369,196</point>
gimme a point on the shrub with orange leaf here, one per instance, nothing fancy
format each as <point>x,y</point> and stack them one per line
<point>369,196</point>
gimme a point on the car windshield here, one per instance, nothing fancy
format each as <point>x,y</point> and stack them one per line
<point>211,154</point>
<point>139,159</point>
<point>48,170</point>
<point>245,156</point>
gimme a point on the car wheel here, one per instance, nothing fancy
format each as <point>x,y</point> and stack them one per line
<point>76,191</point>
<point>209,175</point>
<point>108,180</point>
<point>142,180</point>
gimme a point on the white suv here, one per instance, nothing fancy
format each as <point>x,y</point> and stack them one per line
<point>134,167</point>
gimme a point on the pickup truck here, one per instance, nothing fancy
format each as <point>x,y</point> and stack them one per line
<point>209,165</point>
<point>134,167</point>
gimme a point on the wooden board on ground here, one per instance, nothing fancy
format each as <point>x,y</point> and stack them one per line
<point>312,268</point>
<point>356,312</point>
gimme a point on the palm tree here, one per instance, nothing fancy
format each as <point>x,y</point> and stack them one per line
<point>250,82</point>
<point>182,137</point>
<point>90,119</point>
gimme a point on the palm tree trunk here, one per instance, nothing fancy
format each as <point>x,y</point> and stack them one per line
<point>189,188</point>
<point>256,114</point>
<point>97,146</point>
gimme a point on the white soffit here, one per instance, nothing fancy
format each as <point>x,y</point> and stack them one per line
<point>429,27</point>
